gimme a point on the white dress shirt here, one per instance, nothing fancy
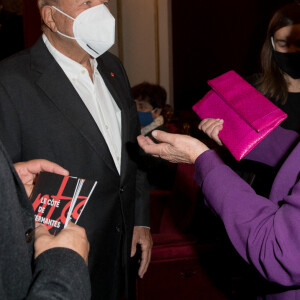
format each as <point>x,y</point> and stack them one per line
<point>96,97</point>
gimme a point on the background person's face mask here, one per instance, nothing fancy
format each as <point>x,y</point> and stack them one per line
<point>288,62</point>
<point>94,29</point>
<point>145,118</point>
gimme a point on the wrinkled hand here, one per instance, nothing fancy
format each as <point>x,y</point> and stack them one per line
<point>73,237</point>
<point>176,148</point>
<point>29,170</point>
<point>212,127</point>
<point>142,236</point>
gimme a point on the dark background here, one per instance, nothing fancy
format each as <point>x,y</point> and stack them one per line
<point>213,37</point>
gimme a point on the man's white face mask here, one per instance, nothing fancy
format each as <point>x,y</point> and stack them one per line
<point>94,29</point>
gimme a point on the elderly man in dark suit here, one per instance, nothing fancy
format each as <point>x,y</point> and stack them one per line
<point>68,100</point>
<point>34,264</point>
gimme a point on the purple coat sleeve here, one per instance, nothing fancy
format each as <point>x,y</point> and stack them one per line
<point>274,147</point>
<point>265,234</point>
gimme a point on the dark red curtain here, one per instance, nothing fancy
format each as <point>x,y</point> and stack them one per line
<point>31,22</point>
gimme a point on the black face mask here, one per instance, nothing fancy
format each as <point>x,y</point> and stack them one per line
<point>288,62</point>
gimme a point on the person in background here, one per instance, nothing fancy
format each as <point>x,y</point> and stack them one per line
<point>33,263</point>
<point>150,102</point>
<point>279,81</point>
<point>280,63</point>
<point>68,100</point>
<point>264,231</point>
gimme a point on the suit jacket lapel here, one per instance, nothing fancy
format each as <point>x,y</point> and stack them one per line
<point>117,93</point>
<point>111,83</point>
<point>55,84</point>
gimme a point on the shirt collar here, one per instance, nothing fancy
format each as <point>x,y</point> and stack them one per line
<point>70,66</point>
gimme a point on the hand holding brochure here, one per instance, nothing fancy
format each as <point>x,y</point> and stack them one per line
<point>58,199</point>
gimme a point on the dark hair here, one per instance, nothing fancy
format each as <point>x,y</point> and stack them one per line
<point>151,93</point>
<point>272,83</point>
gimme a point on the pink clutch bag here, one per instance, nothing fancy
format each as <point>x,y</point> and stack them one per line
<point>248,115</point>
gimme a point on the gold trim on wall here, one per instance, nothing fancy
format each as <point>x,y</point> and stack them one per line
<point>156,25</point>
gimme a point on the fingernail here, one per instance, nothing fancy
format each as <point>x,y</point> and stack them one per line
<point>154,133</point>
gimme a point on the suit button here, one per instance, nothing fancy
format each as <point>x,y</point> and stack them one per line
<point>122,189</point>
<point>118,228</point>
<point>29,235</point>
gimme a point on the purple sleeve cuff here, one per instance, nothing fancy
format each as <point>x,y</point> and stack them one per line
<point>204,163</point>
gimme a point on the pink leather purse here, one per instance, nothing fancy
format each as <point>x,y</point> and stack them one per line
<point>248,115</point>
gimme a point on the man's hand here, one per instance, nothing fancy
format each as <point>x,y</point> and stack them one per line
<point>176,148</point>
<point>212,127</point>
<point>142,236</point>
<point>29,170</point>
<point>73,237</point>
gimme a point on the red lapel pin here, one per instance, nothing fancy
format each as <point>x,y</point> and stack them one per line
<point>112,74</point>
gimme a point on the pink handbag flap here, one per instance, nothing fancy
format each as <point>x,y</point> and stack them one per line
<point>254,108</point>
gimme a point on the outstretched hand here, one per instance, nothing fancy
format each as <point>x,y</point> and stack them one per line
<point>176,148</point>
<point>29,170</point>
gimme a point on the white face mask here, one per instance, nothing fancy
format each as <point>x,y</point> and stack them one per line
<point>94,29</point>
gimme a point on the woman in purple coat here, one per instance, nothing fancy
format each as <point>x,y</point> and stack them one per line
<point>265,231</point>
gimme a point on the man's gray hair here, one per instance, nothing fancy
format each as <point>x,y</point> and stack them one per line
<point>42,3</point>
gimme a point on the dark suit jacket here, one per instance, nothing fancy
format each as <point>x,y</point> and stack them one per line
<point>42,116</point>
<point>20,276</point>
